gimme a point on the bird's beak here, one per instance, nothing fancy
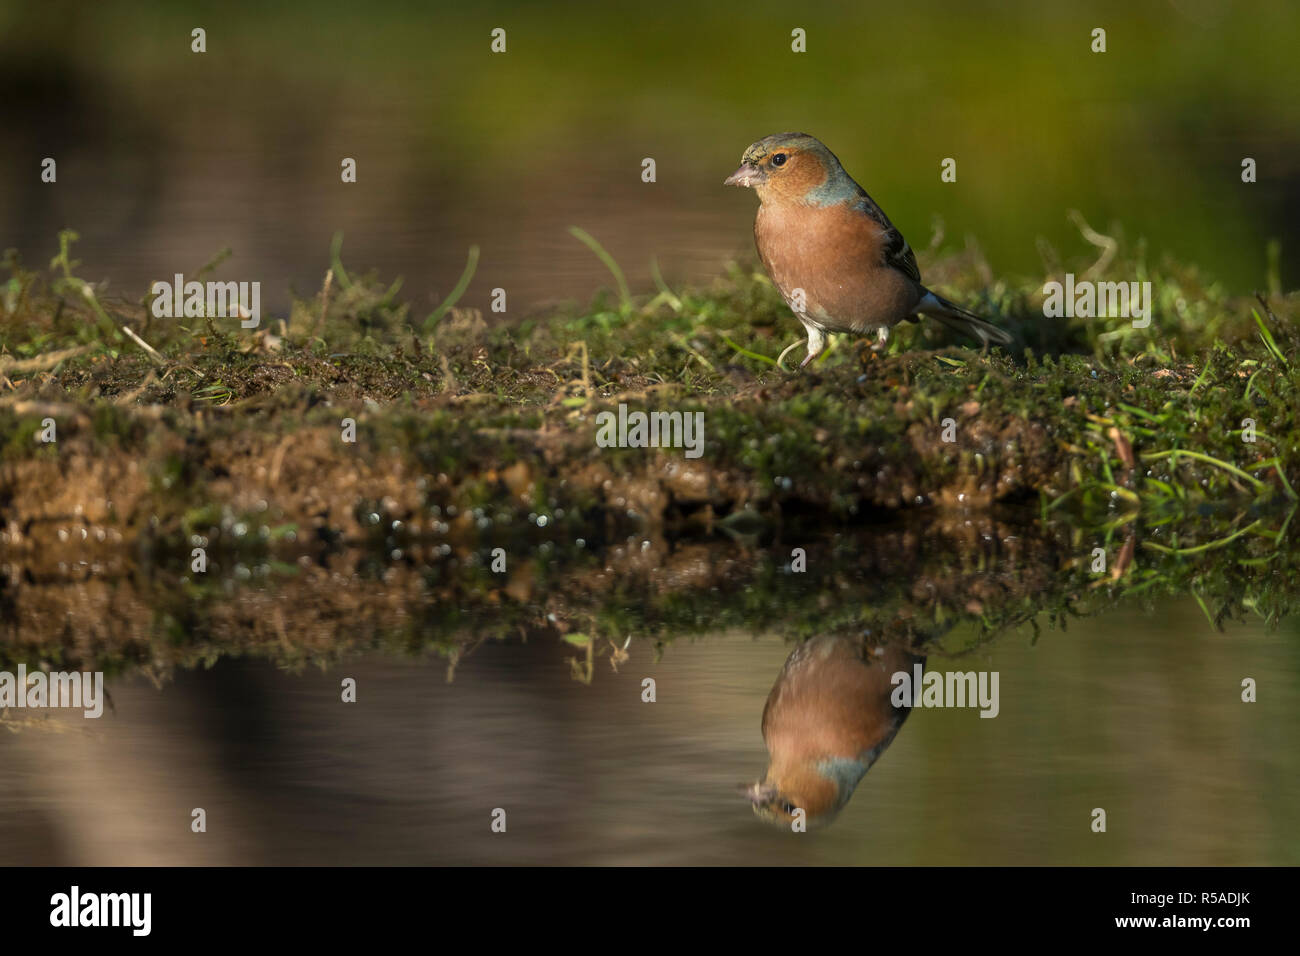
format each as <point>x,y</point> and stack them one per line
<point>758,794</point>
<point>748,175</point>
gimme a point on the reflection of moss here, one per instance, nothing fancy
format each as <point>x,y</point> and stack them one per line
<point>22,440</point>
<point>200,518</point>
<point>912,578</point>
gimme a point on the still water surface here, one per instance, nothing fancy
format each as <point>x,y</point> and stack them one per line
<point>1137,713</point>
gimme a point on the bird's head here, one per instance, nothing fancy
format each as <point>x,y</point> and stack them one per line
<point>793,167</point>
<point>819,790</point>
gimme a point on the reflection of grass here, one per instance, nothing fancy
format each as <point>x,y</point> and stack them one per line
<point>910,580</point>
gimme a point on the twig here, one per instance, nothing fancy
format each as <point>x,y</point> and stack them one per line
<point>149,349</point>
<point>126,398</point>
<point>39,363</point>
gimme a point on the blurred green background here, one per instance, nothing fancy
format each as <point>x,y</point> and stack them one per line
<point>165,156</point>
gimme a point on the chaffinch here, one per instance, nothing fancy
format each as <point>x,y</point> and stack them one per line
<point>832,252</point>
<point>828,718</point>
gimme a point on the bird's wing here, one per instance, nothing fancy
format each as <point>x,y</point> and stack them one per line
<point>784,688</point>
<point>897,251</point>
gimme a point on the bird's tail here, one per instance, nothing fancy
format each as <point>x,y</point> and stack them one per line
<point>958,319</point>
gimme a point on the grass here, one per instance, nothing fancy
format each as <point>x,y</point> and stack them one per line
<point>472,436</point>
<point>1087,419</point>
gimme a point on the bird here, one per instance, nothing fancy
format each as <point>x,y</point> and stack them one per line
<point>828,718</point>
<point>831,251</point>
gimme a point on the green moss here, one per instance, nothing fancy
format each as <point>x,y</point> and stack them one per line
<point>1090,419</point>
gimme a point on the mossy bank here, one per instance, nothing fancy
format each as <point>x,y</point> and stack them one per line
<point>173,430</point>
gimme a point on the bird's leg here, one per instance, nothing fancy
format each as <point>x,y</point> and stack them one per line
<point>816,343</point>
<point>882,339</point>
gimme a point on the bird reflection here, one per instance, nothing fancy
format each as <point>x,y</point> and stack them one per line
<point>828,718</point>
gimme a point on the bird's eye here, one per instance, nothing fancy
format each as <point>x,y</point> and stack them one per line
<point>788,808</point>
<point>779,159</point>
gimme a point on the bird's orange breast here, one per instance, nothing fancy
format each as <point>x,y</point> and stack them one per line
<point>836,256</point>
<point>833,700</point>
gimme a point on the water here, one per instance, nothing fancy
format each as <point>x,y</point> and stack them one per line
<point>1135,712</point>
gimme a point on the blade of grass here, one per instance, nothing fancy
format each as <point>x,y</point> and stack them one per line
<point>1269,341</point>
<point>336,263</point>
<point>748,354</point>
<point>1208,616</point>
<point>666,293</point>
<point>1211,546</point>
<point>588,240</point>
<point>470,266</point>
<point>1176,453</point>
<point>1276,464</point>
